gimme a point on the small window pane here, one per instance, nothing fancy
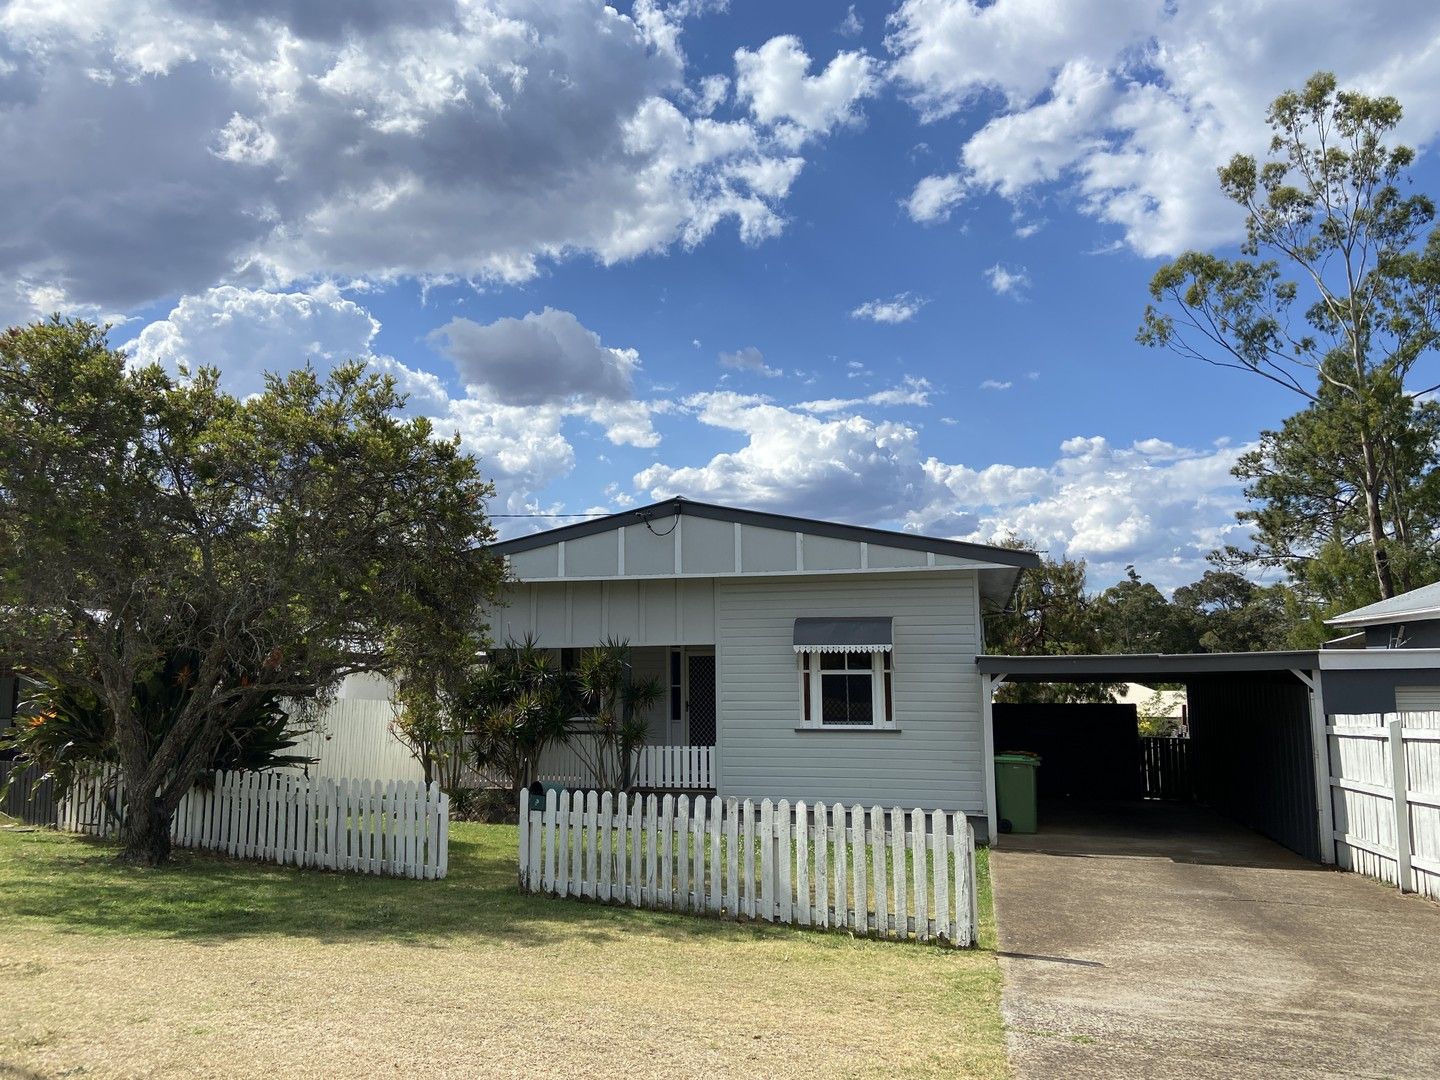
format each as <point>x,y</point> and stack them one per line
<point>676,686</point>
<point>845,699</point>
<point>832,661</point>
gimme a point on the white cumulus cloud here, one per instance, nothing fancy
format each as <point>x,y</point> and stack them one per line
<point>1152,503</point>
<point>1008,282</point>
<point>902,307</point>
<point>528,382</point>
<point>775,82</point>
<point>170,147</point>
<point>1127,106</point>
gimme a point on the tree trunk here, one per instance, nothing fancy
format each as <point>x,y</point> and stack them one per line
<point>145,836</point>
<point>1375,519</point>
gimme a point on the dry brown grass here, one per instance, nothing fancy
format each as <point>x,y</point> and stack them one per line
<point>225,969</point>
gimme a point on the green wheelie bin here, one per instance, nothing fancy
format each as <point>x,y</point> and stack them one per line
<point>1015,791</point>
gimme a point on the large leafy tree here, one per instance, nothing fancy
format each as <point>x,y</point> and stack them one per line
<point>1309,515</point>
<point>1051,615</point>
<point>1336,297</point>
<point>1133,616</point>
<point>285,541</point>
<point>1227,612</point>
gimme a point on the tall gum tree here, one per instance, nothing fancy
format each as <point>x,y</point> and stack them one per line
<point>1335,293</point>
<point>285,541</point>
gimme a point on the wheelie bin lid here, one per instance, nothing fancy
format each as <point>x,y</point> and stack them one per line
<point>1018,757</point>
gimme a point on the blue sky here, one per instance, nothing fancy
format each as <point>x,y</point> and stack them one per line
<point>880,263</point>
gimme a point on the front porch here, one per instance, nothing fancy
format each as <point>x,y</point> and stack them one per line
<point>679,754</point>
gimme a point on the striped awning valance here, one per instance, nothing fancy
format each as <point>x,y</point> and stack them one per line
<point>863,634</point>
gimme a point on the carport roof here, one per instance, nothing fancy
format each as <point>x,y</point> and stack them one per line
<point>1137,667</point>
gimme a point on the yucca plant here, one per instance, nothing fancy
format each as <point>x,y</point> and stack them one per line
<point>517,704</point>
<point>612,699</point>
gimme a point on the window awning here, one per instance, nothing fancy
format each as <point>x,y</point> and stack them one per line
<point>843,635</point>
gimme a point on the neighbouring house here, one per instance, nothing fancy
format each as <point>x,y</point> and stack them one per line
<point>1406,677</point>
<point>1156,705</point>
<point>801,659</point>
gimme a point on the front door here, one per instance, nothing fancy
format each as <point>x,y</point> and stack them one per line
<point>700,698</point>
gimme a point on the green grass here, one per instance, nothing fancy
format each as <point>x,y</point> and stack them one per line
<point>690,985</point>
<point>75,883</point>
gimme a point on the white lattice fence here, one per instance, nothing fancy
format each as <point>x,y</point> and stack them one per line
<point>888,872</point>
<point>1385,785</point>
<point>395,828</point>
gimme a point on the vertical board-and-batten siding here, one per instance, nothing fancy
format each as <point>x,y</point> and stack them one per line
<point>578,614</point>
<point>936,756</point>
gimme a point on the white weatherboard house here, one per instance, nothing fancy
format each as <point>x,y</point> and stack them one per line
<point>806,659</point>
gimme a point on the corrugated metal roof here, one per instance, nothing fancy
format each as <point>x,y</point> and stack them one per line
<point>1422,603</point>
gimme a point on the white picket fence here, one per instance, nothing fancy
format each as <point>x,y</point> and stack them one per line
<point>395,828</point>
<point>677,768</point>
<point>1385,788</point>
<point>891,873</point>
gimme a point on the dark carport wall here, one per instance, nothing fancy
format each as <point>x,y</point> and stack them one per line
<point>1254,755</point>
<point>1253,721</point>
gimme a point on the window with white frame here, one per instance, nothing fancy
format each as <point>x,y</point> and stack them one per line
<point>846,689</point>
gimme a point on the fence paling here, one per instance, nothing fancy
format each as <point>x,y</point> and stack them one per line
<point>1165,767</point>
<point>739,860</point>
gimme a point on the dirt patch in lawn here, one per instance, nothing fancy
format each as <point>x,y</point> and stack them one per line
<point>219,968</point>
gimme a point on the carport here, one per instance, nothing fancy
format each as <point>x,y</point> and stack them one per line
<point>1257,733</point>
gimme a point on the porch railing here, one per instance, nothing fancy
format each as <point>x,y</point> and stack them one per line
<point>683,768</point>
<point>659,768</point>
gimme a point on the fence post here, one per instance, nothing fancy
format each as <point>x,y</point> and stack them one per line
<point>1399,784</point>
<point>523,812</point>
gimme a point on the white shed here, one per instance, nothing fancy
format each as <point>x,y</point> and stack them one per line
<point>802,659</point>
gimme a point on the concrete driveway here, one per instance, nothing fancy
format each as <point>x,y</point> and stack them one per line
<point>1157,940</point>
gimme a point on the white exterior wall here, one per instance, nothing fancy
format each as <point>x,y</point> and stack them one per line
<point>935,759</point>
<point>353,740</point>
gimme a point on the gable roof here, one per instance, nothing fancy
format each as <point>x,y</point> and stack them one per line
<point>680,506</point>
<point>1420,604</point>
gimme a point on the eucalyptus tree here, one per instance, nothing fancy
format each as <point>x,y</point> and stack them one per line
<point>1335,296</point>
<point>284,542</point>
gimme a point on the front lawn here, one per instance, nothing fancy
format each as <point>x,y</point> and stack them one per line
<point>221,968</point>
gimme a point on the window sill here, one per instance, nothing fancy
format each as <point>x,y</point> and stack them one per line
<point>845,729</point>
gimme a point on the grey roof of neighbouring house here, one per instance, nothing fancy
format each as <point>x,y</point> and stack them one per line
<point>1422,604</point>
